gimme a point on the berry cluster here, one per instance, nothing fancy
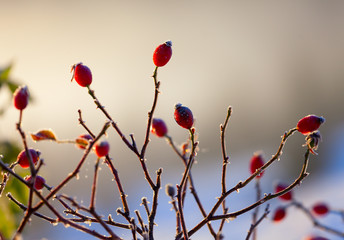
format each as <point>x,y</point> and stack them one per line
<point>75,214</point>
<point>316,211</point>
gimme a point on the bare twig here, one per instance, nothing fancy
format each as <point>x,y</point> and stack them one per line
<point>266,198</point>
<point>112,168</point>
<point>224,164</point>
<point>5,178</point>
<point>256,210</point>
<point>76,170</point>
<point>24,208</point>
<point>31,185</point>
<point>152,214</point>
<point>256,223</point>
<point>192,187</point>
<point>151,112</point>
<point>315,222</point>
<point>54,211</point>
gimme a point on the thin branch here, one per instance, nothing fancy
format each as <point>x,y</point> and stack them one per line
<point>250,178</point>
<point>113,123</point>
<point>31,185</point>
<point>266,198</point>
<point>24,208</point>
<point>143,226</point>
<point>256,210</point>
<point>83,218</point>
<point>183,181</point>
<point>112,168</point>
<point>224,164</point>
<point>6,177</point>
<point>152,214</point>
<point>94,185</point>
<point>315,222</point>
<point>192,186</point>
<point>256,223</point>
<point>145,205</point>
<point>54,211</point>
<point>151,112</point>
<point>77,169</point>
<point>132,147</point>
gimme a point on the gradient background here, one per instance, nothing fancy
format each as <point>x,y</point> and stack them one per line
<point>272,61</point>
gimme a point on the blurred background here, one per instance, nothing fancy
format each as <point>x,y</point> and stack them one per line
<point>274,62</point>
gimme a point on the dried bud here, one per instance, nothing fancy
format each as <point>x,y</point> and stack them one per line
<point>170,191</point>
<point>185,147</point>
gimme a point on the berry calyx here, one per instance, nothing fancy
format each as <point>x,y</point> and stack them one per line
<point>312,142</point>
<point>83,140</point>
<point>309,124</point>
<point>82,74</point>
<point>287,196</point>
<point>183,116</point>
<point>257,161</point>
<point>162,54</point>
<point>102,149</point>
<point>320,209</point>
<point>23,159</point>
<point>21,97</point>
<point>39,181</point>
<point>159,127</point>
<point>279,214</point>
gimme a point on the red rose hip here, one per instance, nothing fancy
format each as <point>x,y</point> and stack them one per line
<point>159,127</point>
<point>162,54</point>
<point>315,238</point>
<point>309,124</point>
<point>39,181</point>
<point>279,214</point>
<point>102,149</point>
<point>21,97</point>
<point>256,162</point>
<point>320,209</point>
<point>23,159</point>
<point>82,74</point>
<point>287,196</point>
<point>183,116</point>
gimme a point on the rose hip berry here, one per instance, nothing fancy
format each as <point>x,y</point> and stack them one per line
<point>21,97</point>
<point>287,196</point>
<point>309,124</point>
<point>39,181</point>
<point>315,238</point>
<point>183,116</point>
<point>23,159</point>
<point>159,127</point>
<point>256,162</point>
<point>102,149</point>
<point>83,140</point>
<point>162,54</point>
<point>279,214</point>
<point>82,74</point>
<point>320,209</point>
